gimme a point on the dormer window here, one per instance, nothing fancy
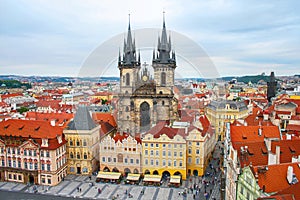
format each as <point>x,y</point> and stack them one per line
<point>59,139</point>
<point>44,142</point>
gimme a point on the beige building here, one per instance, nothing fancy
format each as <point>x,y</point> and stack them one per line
<point>83,136</point>
<point>32,152</point>
<point>120,153</point>
<point>220,112</point>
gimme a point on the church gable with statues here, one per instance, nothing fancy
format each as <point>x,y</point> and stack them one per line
<point>146,99</point>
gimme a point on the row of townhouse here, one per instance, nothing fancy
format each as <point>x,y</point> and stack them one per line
<point>163,150</point>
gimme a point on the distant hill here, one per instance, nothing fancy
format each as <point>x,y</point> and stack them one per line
<point>246,79</point>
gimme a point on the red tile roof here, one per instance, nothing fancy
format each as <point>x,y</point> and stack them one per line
<point>105,128</point>
<point>120,138</point>
<point>160,129</point>
<point>104,117</point>
<point>275,178</point>
<point>279,197</point>
<point>255,153</point>
<point>293,190</point>
<point>54,104</point>
<point>32,128</point>
<point>251,133</point>
<point>60,118</point>
<point>288,149</point>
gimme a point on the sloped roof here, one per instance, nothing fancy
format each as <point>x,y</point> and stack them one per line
<point>58,117</point>
<point>82,120</point>
<point>26,128</point>
<point>288,149</point>
<point>275,178</point>
<point>160,129</point>
<point>255,153</point>
<point>250,133</point>
<point>104,117</point>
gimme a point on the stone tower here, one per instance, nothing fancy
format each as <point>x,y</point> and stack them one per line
<point>271,91</point>
<point>144,101</point>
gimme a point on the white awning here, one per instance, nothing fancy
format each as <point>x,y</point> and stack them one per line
<point>175,179</point>
<point>109,175</point>
<point>133,177</point>
<point>152,178</point>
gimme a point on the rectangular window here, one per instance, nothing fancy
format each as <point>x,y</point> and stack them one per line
<point>146,161</point>
<point>157,162</point>
<point>30,165</point>
<point>103,159</point>
<point>42,153</point>
<point>157,153</point>
<point>48,167</point>
<point>190,151</point>
<point>151,152</point>
<point>13,151</point>
<point>18,151</point>
<point>15,176</point>
<point>180,163</point>
<point>19,177</point>
<point>146,152</point>
<point>175,153</point>
<point>151,162</point>
<point>14,163</point>
<point>169,153</point>
<point>108,159</point>
<point>197,151</point>
<point>3,163</point>
<point>25,165</point>
<point>72,169</point>
<point>8,150</point>
<point>35,166</point>
<point>156,145</point>
<point>115,160</point>
<point>43,166</point>
<point>131,161</point>
<point>19,164</point>
<point>175,163</point>
<point>197,161</point>
<point>125,160</point>
<point>164,153</point>
<point>180,153</point>
<point>189,160</point>
<point>9,176</point>
<point>34,153</point>
<point>49,181</point>
<point>47,154</point>
<point>9,163</point>
<point>30,153</point>
<point>137,161</point>
<point>175,145</point>
<point>169,163</point>
<point>25,152</point>
<point>164,163</point>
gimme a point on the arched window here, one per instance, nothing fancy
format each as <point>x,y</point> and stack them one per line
<point>127,79</point>
<point>163,78</point>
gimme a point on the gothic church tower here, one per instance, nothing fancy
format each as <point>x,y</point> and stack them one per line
<point>143,101</point>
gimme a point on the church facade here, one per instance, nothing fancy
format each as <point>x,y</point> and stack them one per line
<point>146,99</point>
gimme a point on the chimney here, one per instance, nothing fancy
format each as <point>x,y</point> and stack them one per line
<point>259,131</point>
<point>52,122</point>
<point>268,143</point>
<point>288,136</point>
<point>277,154</point>
<point>289,176</point>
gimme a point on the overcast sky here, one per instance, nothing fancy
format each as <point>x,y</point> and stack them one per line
<point>240,37</point>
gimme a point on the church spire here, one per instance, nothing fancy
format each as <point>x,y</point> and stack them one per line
<point>129,50</point>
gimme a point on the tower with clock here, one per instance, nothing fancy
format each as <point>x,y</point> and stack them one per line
<point>143,100</point>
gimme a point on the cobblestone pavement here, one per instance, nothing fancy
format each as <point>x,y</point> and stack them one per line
<point>88,189</point>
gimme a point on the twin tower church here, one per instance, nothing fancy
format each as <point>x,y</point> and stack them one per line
<point>144,99</point>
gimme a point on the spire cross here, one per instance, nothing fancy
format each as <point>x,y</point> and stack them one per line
<point>145,64</point>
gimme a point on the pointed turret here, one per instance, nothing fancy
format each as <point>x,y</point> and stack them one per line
<point>129,52</point>
<point>164,46</point>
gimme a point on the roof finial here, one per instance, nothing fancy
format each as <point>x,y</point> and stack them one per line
<point>164,25</point>
<point>129,20</point>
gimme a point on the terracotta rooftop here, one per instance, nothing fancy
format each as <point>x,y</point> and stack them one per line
<point>288,149</point>
<point>255,153</point>
<point>161,128</point>
<point>252,133</point>
<point>60,118</point>
<point>104,117</point>
<point>26,128</point>
<point>120,138</point>
<point>274,179</point>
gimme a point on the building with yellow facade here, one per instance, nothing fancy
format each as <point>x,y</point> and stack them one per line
<point>220,112</point>
<point>200,143</point>
<point>164,150</point>
<point>83,138</point>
